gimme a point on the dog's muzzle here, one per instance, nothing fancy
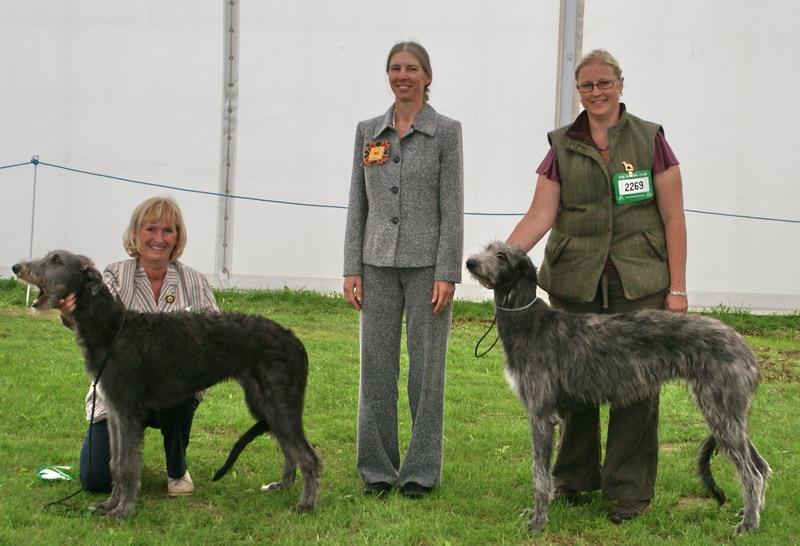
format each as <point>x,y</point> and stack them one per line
<point>16,268</point>
<point>473,267</point>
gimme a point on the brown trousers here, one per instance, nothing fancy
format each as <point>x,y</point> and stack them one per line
<point>631,460</point>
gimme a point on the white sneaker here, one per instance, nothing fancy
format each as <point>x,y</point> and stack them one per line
<point>180,487</point>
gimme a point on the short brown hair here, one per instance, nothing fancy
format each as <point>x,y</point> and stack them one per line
<point>154,210</point>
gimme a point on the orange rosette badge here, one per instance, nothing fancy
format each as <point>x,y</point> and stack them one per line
<point>375,154</point>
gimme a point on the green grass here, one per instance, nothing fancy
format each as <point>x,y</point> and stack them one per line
<point>487,469</point>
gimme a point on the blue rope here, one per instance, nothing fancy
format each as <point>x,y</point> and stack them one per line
<point>193,191</point>
<point>20,164</point>
<point>743,216</point>
<point>494,214</point>
<point>35,161</point>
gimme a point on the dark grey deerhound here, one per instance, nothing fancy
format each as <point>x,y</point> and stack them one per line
<point>554,358</point>
<point>146,361</point>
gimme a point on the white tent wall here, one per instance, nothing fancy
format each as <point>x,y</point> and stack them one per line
<point>126,89</point>
<point>135,90</point>
<point>311,70</point>
<point>720,78</point>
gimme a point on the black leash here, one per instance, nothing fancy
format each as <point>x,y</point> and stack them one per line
<point>477,346</point>
<point>494,321</point>
<point>62,501</point>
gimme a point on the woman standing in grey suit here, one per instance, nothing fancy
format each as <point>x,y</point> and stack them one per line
<point>403,254</point>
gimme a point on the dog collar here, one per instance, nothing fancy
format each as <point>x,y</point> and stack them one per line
<point>535,299</point>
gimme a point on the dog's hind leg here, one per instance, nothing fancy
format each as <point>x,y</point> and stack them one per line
<point>725,412</point>
<point>737,447</point>
<point>265,410</point>
<point>282,408</point>
<point>542,448</point>
<point>311,468</point>
<point>289,473</point>
<point>297,452</point>
<point>763,469</point>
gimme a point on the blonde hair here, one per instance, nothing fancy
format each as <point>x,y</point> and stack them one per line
<point>154,210</point>
<point>599,56</point>
<point>416,49</point>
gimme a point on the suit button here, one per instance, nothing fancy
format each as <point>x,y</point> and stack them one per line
<point>395,220</point>
<point>395,189</point>
<point>397,159</point>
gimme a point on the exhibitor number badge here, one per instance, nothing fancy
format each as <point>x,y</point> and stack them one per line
<point>632,185</point>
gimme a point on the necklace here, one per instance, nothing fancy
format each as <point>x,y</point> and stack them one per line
<point>603,149</point>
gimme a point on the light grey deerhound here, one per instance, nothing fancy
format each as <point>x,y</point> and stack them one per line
<point>553,358</point>
<point>146,361</point>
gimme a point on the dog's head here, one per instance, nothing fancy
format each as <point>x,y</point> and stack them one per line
<point>500,265</point>
<point>57,275</point>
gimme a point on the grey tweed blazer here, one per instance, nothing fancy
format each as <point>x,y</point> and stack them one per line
<point>407,210</point>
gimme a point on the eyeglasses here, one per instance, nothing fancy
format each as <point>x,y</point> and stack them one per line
<point>587,87</point>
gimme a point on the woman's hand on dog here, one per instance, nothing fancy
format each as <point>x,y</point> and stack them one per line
<point>67,307</point>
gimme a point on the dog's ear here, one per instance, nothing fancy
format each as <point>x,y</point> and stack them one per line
<point>92,278</point>
<point>526,268</point>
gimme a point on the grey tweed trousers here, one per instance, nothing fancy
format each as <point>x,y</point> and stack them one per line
<point>388,294</point>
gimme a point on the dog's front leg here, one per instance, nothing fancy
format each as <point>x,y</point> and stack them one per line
<point>125,437</point>
<point>112,501</point>
<point>541,448</point>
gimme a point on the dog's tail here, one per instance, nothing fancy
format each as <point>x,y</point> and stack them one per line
<point>704,469</point>
<point>261,427</point>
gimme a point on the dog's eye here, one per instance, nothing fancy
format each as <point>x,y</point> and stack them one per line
<point>56,259</point>
<point>502,257</point>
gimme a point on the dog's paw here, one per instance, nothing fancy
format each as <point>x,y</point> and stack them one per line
<point>103,508</point>
<point>122,511</point>
<point>537,522</point>
<point>745,527</point>
<point>303,507</point>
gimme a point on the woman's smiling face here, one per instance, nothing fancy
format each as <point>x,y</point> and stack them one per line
<point>407,78</point>
<point>157,241</point>
<point>600,103</point>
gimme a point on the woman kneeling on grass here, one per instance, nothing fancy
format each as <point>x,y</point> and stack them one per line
<point>152,281</point>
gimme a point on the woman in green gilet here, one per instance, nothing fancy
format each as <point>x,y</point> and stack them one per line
<point>610,193</point>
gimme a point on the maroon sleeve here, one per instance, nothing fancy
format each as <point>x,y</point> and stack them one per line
<point>549,166</point>
<point>664,156</point>
<point>663,160</point>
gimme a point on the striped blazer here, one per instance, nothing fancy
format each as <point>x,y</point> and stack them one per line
<point>184,288</point>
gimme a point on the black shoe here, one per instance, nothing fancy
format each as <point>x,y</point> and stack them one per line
<point>413,490</point>
<point>377,488</point>
<point>626,510</point>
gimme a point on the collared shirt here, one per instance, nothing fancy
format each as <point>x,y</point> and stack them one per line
<point>663,160</point>
<point>184,289</point>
